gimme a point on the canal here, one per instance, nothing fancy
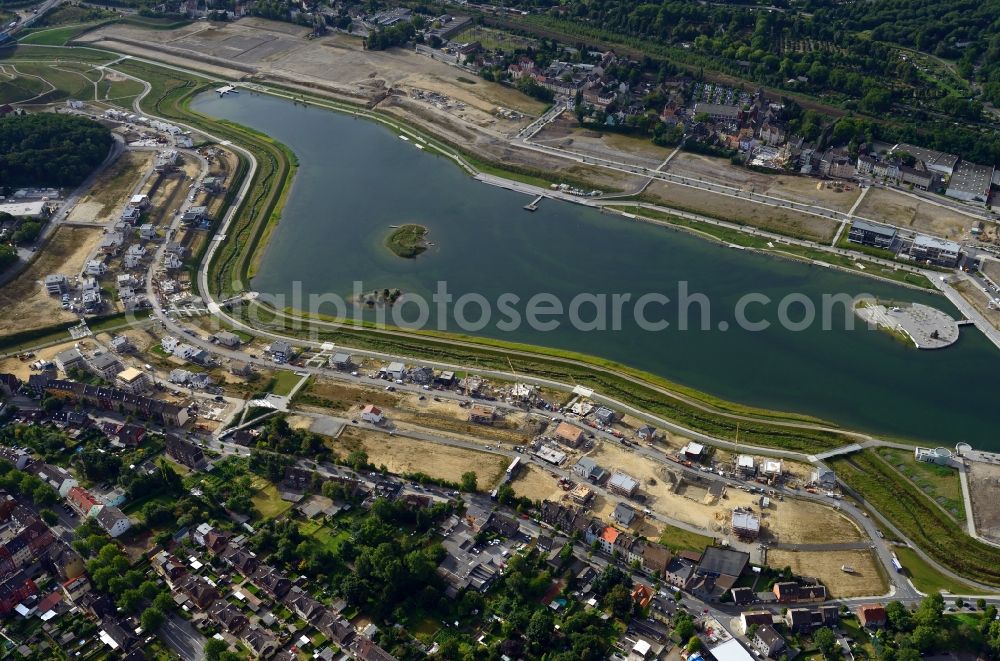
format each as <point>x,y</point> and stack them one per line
<point>357,179</point>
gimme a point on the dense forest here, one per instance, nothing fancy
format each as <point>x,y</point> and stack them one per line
<point>46,149</point>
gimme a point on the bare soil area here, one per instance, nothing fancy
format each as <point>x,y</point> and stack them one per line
<point>724,207</point>
<point>866,580</point>
<point>112,189</point>
<point>803,522</point>
<point>895,208</point>
<point>984,485</point>
<point>536,484</point>
<point>719,171</point>
<point>657,483</point>
<point>405,455</point>
<point>24,301</point>
<point>22,370</point>
<point>971,292</point>
<point>566,134</point>
<point>836,195</point>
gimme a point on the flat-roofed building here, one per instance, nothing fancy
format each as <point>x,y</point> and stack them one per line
<point>623,484</point>
<point>936,251</point>
<point>971,183</point>
<point>869,234</point>
<point>132,380</point>
<point>935,161</point>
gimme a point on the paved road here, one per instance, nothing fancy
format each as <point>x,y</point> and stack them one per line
<point>183,638</point>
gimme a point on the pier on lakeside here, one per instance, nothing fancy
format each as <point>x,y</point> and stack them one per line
<point>533,205</point>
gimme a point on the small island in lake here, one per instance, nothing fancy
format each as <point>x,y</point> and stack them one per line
<point>407,241</point>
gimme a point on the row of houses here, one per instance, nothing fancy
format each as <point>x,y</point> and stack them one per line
<point>111,399</point>
<point>920,248</point>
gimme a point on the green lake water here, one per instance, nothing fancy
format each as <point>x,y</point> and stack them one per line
<point>356,179</point>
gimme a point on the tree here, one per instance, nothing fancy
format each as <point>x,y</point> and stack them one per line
<point>540,628</point>
<point>693,644</point>
<point>49,517</point>
<point>981,603</point>
<point>826,643</point>
<point>469,481</point>
<point>152,618</point>
<point>683,627</point>
<point>898,617</point>
<point>619,602</point>
<point>214,649</point>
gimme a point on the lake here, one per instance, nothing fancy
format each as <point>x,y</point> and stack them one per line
<point>356,179</point>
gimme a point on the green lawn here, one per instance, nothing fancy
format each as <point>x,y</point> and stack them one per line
<point>940,483</point>
<point>926,578</point>
<point>57,36</point>
<point>329,538</point>
<point>284,381</point>
<point>677,539</point>
<point>268,502</point>
<point>20,88</point>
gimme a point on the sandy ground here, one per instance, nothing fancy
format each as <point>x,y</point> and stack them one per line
<point>866,580</point>
<point>971,292</point>
<point>895,208</point>
<point>536,484</point>
<point>803,522</point>
<point>565,133</point>
<point>839,196</point>
<point>991,267</point>
<point>719,171</point>
<point>836,195</point>
<point>785,221</point>
<point>984,485</point>
<point>657,483</point>
<point>113,188</point>
<point>404,455</point>
<point>22,370</point>
<point>24,301</point>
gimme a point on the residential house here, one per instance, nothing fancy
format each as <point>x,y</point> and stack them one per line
<point>185,452</point>
<point>56,477</point>
<point>271,581</point>
<point>68,360</point>
<point>623,484</point>
<point>56,284</point>
<point>623,514</point>
<point>228,616</point>
<point>341,361</point>
<point>936,251</point>
<point>227,339</point>
<point>767,641</point>
<point>655,558</point>
<point>105,365</point>
<point>482,414</point>
<point>113,521</point>
<point>372,414</point>
<point>798,619</point>
<point>568,434</point>
<point>588,469</point>
<point>872,616</point>
<point>85,503</point>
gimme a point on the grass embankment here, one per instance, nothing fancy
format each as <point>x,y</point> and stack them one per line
<point>927,579</point>
<point>407,241</point>
<point>940,483</point>
<point>897,499</point>
<point>747,240</point>
<point>56,333</point>
<point>717,419</point>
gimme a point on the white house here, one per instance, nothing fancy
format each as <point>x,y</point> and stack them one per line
<point>113,521</point>
<point>95,267</point>
<point>372,414</point>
